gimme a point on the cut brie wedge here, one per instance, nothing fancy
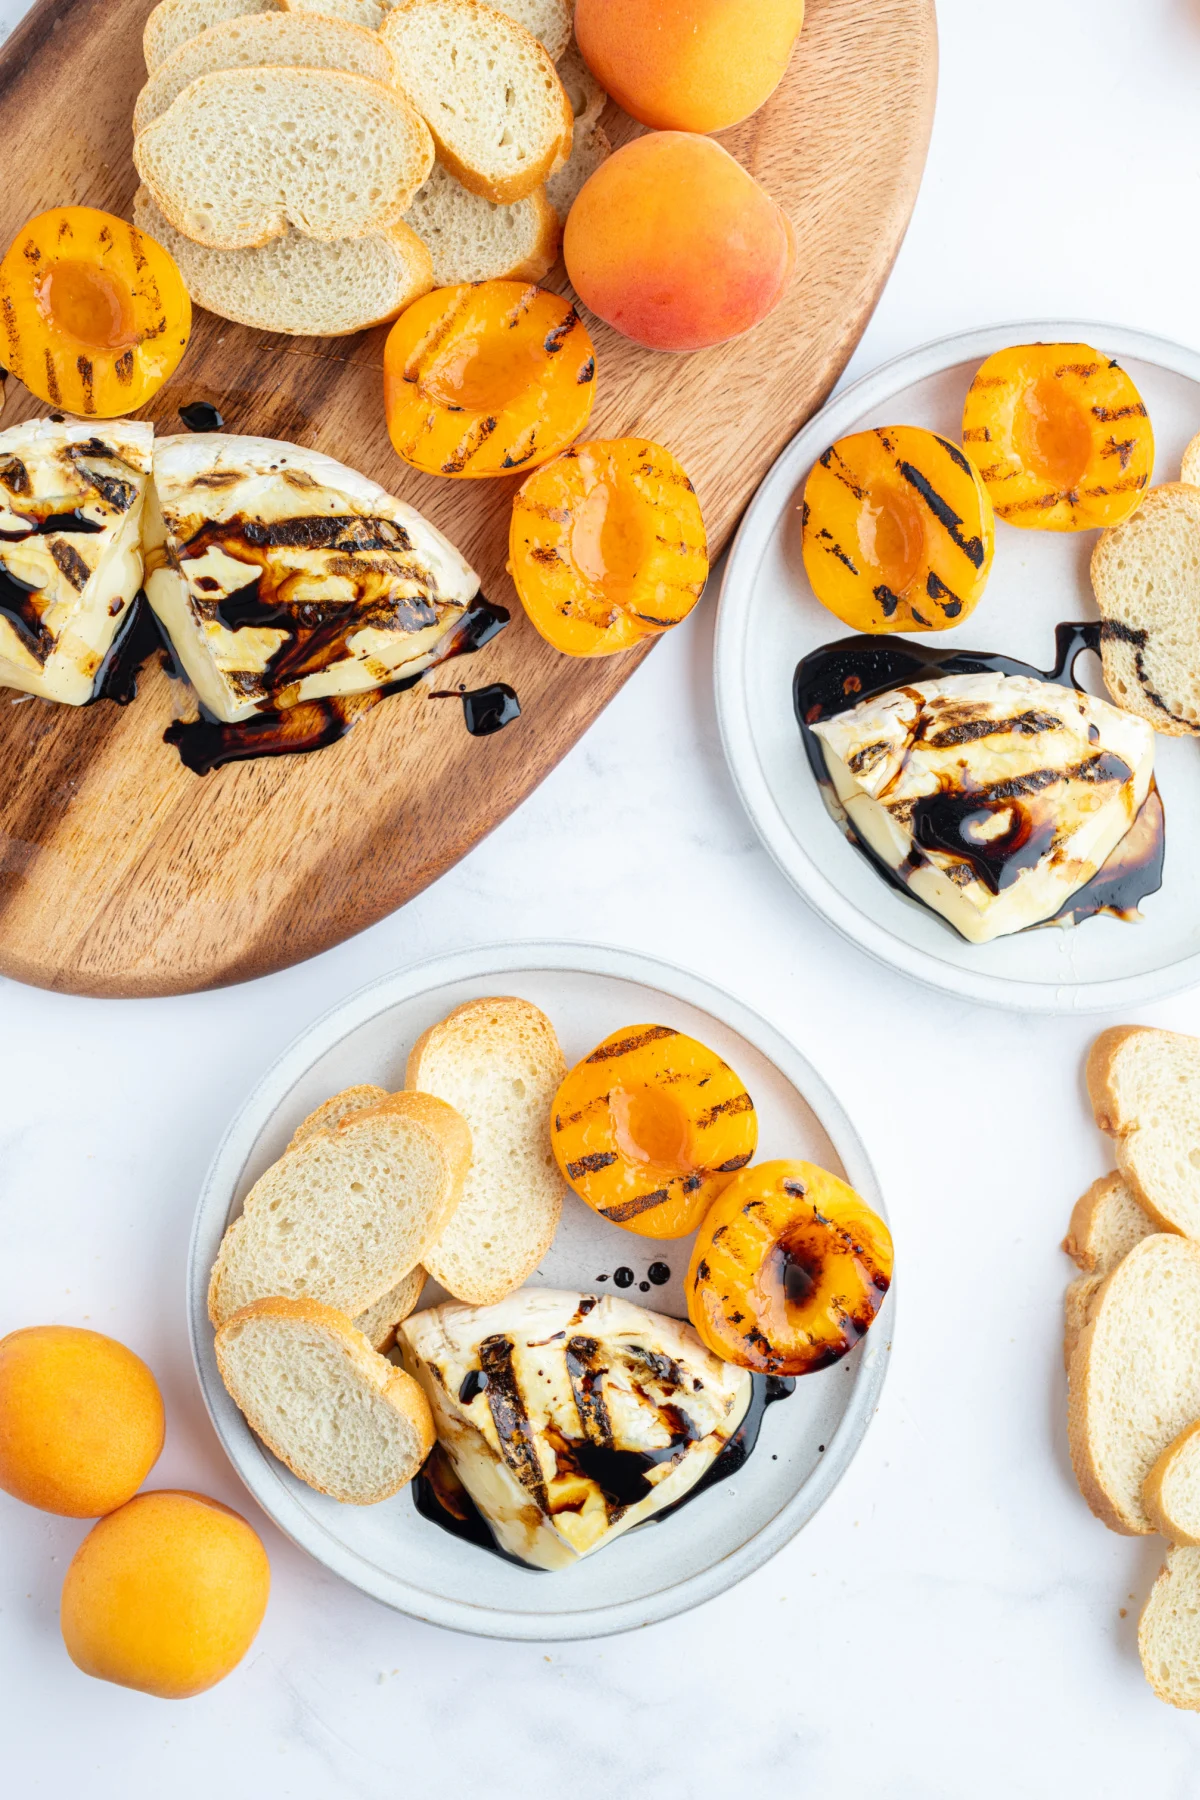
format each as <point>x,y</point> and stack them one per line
<point>71,503</point>
<point>570,1419</point>
<point>281,575</point>
<point>993,798</point>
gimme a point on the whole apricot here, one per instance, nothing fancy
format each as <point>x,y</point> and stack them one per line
<point>81,1420</point>
<point>688,65</point>
<point>673,244</point>
<point>165,1595</point>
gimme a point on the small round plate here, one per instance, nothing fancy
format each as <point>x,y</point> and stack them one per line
<point>769,618</point>
<point>807,1441</point>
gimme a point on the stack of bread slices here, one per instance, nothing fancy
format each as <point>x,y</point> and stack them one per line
<point>453,1177</point>
<point>1133,1331</point>
<point>314,166</point>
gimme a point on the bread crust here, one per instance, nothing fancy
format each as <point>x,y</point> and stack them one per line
<point>338,1107</point>
<point>394,1385</point>
<point>1152,1491</point>
<point>1101,1089</point>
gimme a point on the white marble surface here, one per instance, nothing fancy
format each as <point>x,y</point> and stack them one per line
<point>955,1621</point>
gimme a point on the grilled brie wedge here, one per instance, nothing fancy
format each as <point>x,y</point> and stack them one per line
<point>994,798</point>
<point>71,502</point>
<point>281,575</point>
<point>570,1419</point>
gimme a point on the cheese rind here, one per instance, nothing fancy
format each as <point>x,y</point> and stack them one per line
<point>531,1398</point>
<point>1054,773</point>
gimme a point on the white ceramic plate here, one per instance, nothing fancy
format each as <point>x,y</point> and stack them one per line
<point>769,618</point>
<point>807,1441</point>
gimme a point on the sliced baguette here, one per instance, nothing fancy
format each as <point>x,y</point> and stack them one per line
<point>1135,1376</point>
<point>589,149</point>
<point>1105,1225</point>
<point>273,40</point>
<point>471,239</point>
<point>348,1213</point>
<point>1171,1491</point>
<point>498,1062</point>
<point>588,99</point>
<point>488,92</point>
<point>173,22</point>
<point>335,156</point>
<point>549,21</point>
<point>1146,578</point>
<point>1144,1087</point>
<point>324,1402</point>
<point>296,285</point>
<point>378,1323</point>
<point>1169,1631</point>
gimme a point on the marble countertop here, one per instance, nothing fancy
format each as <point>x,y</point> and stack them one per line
<point>954,1621</point>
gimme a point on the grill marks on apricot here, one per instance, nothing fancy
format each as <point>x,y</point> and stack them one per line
<point>1039,418</point>
<point>650,1128</point>
<point>898,532</point>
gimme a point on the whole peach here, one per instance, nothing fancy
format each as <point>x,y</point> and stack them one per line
<point>688,65</point>
<point>165,1595</point>
<point>81,1420</point>
<point>673,244</point>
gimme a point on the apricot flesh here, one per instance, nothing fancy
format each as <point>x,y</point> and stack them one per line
<point>688,65</point>
<point>674,245</point>
<point>81,1420</point>
<point>165,1595</point>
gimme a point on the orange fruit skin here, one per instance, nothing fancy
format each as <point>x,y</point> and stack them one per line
<point>673,244</point>
<point>688,65</point>
<point>81,1420</point>
<point>165,1595</point>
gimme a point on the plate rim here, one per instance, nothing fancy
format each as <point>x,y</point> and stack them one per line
<point>732,707</point>
<point>263,1478</point>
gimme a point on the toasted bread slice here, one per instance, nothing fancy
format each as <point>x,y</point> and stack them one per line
<point>324,1402</point>
<point>588,99</point>
<point>1171,1491</point>
<point>1105,1225</point>
<point>296,285</point>
<point>471,239</point>
<point>497,1062</point>
<point>348,1213</point>
<point>265,41</point>
<point>1145,1091</point>
<point>375,153</point>
<point>378,1323</point>
<point>589,149</point>
<point>488,92</point>
<point>173,22</point>
<point>1169,1631</point>
<point>1135,1376</point>
<point>549,21</point>
<point>1146,578</point>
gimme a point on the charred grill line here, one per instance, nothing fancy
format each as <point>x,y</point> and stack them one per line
<point>1026,724</point>
<point>625,1046</point>
<point>631,1209</point>
<point>71,564</point>
<point>587,1372</point>
<point>947,518</point>
<point>589,1165</point>
<point>507,1406</point>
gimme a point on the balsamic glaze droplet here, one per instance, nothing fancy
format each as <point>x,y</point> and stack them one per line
<point>644,1286</point>
<point>474,1382</point>
<point>624,1277</point>
<point>201,415</point>
<point>659,1273</point>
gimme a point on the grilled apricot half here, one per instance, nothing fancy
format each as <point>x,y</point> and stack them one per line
<point>96,314</point>
<point>650,1128</point>
<point>1061,436</point>
<point>788,1271</point>
<point>486,379</point>
<point>898,532</point>
<point>607,546</point>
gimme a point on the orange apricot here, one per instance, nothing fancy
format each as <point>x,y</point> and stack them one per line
<point>788,1271</point>
<point>81,1420</point>
<point>487,378</point>
<point>673,244</point>
<point>607,546</point>
<point>650,1128</point>
<point>165,1595</point>
<point>688,65</point>
<point>95,313</point>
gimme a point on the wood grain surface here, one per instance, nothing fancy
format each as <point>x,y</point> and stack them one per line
<point>123,874</point>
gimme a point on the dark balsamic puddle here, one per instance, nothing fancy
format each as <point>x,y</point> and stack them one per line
<point>440,1497</point>
<point>838,676</point>
<point>485,710</point>
<point>206,743</point>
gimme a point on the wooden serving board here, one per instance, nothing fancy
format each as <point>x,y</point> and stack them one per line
<point>121,873</point>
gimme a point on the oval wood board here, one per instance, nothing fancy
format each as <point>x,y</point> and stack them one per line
<point>123,874</point>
